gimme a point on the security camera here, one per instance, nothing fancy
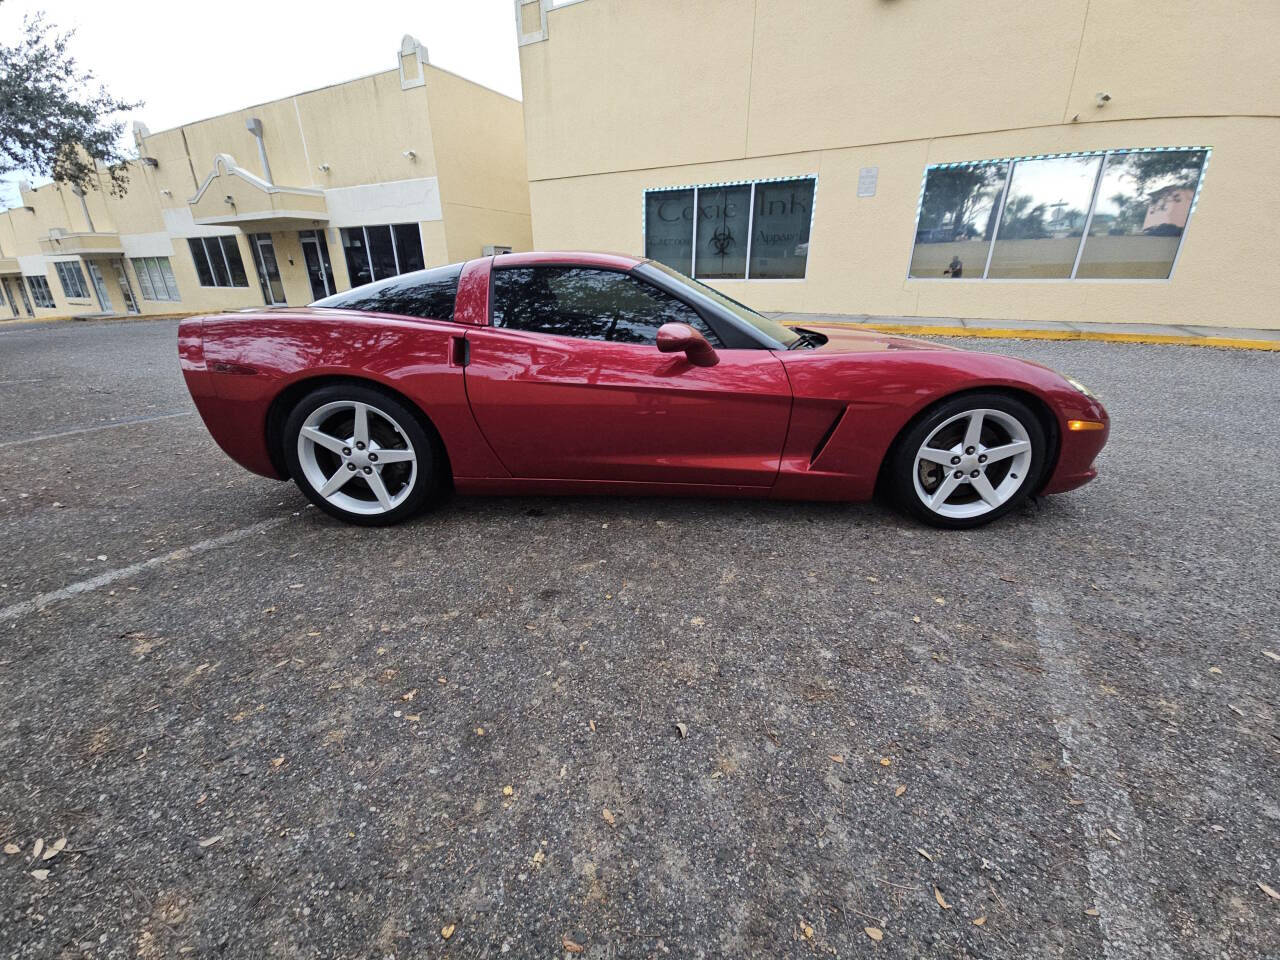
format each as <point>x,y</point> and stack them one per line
<point>1102,98</point>
<point>411,155</point>
<point>323,168</point>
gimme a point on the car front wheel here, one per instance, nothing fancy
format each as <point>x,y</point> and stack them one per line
<point>970,460</point>
<point>361,455</point>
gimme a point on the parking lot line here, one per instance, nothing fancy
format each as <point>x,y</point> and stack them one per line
<point>1115,851</point>
<point>126,422</point>
<point>36,603</point>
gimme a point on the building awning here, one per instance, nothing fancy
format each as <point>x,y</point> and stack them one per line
<point>231,196</point>
<point>9,265</point>
<point>60,243</point>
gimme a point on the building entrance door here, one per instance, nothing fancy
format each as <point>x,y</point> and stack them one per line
<point>126,288</point>
<point>264,257</point>
<point>8,295</point>
<point>100,286</point>
<point>315,251</point>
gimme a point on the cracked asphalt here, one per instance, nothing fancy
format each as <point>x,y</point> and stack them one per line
<point>262,733</point>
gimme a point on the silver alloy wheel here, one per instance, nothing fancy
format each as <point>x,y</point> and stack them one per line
<point>972,463</point>
<point>355,456</point>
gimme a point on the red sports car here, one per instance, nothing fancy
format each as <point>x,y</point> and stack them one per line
<point>542,373</point>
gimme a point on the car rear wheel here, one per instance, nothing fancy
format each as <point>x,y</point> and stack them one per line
<point>362,455</point>
<point>970,460</point>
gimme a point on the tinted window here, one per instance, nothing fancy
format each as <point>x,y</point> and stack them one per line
<point>381,253</point>
<point>425,293</point>
<point>586,303</point>
<point>408,247</point>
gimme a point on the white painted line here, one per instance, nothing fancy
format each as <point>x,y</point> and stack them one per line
<point>1119,874</point>
<point>6,383</point>
<point>37,603</point>
<point>127,422</point>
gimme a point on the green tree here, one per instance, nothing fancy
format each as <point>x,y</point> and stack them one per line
<point>55,120</point>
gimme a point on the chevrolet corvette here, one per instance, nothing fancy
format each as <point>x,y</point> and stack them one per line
<point>584,373</point>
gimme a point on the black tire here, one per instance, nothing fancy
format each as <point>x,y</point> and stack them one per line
<point>420,487</point>
<point>901,473</point>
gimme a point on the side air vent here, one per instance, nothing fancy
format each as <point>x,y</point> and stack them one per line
<point>826,437</point>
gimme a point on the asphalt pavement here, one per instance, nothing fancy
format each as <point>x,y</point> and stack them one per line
<point>634,727</point>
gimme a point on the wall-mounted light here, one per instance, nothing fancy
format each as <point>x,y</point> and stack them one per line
<point>230,200</point>
<point>323,168</point>
<point>411,154</point>
<point>166,192</point>
<point>149,161</point>
<point>1102,99</point>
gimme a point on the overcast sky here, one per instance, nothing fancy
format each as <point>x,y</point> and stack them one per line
<point>191,60</point>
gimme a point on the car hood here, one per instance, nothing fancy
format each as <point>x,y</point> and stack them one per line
<point>843,338</point>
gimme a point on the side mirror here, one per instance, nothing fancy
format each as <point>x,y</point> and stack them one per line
<point>682,338</point>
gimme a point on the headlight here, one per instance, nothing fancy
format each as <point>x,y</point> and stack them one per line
<point>1080,386</point>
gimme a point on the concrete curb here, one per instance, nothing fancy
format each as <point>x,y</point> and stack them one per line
<point>1101,336</point>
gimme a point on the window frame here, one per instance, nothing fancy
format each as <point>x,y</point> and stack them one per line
<point>395,250</point>
<point>40,296</point>
<point>146,270</point>
<point>751,215</point>
<point>219,241</point>
<point>1088,221</point>
<point>63,268</point>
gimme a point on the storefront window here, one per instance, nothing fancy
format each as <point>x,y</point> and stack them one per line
<point>746,231</point>
<point>957,219</point>
<point>1143,206</point>
<point>1027,218</point>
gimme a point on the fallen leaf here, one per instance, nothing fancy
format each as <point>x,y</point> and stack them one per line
<point>570,946</point>
<point>885,761</point>
<point>697,622</point>
<point>806,930</point>
<point>538,858</point>
<point>837,758</point>
<point>942,901</point>
<point>447,930</point>
<point>1113,835</point>
<point>939,601</point>
<point>915,619</point>
<point>35,850</point>
<point>1273,656</point>
<point>508,791</point>
<point>1215,670</point>
<point>872,579</point>
<point>410,695</point>
<point>900,791</point>
<point>608,816</point>
<point>1008,579</point>
<point>1091,912</point>
<point>924,853</point>
<point>413,717</point>
<point>592,725</point>
<point>210,841</point>
<point>40,874</point>
<point>1269,891</point>
<point>55,848</point>
<point>12,848</point>
<point>278,762</point>
<point>479,731</point>
<point>682,730</point>
<point>875,933</point>
<point>979,921</point>
<point>441,680</point>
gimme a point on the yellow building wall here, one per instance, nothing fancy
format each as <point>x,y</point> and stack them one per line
<point>480,159</point>
<point>623,96</point>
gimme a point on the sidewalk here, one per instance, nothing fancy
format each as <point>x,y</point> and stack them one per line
<point>1234,337</point>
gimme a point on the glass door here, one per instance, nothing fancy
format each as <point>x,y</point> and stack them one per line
<point>8,295</point>
<point>315,252</point>
<point>126,288</point>
<point>264,256</point>
<point>99,286</point>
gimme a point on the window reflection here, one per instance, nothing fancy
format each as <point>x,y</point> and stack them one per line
<point>586,303</point>
<point>1142,209</point>
<point>425,293</point>
<point>1044,217</point>
<point>780,229</point>
<point>957,218</point>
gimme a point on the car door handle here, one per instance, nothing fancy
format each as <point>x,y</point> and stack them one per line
<point>459,351</point>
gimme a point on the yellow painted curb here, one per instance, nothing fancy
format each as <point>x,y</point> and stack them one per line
<point>1101,336</point>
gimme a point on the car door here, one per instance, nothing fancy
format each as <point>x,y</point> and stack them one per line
<point>566,382</point>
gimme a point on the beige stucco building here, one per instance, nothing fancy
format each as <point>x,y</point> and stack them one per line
<point>919,159</point>
<point>282,202</point>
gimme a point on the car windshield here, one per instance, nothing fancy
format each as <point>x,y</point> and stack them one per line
<point>770,328</point>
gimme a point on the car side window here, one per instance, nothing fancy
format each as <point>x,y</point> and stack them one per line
<point>429,294</point>
<point>588,303</point>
